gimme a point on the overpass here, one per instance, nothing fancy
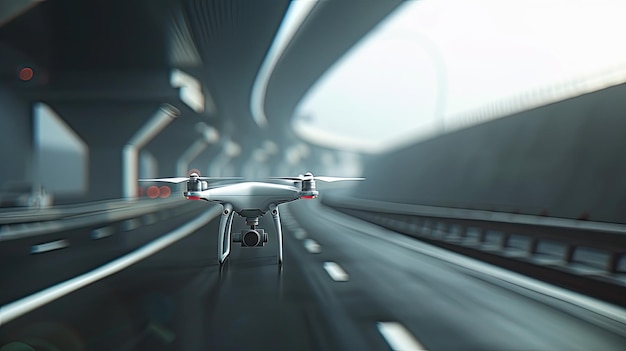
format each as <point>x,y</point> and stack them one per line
<point>506,234</point>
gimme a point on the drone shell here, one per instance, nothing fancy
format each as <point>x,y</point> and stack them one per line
<point>249,198</point>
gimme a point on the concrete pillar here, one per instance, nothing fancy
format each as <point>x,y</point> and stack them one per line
<point>16,137</point>
<point>163,116</point>
<point>106,127</point>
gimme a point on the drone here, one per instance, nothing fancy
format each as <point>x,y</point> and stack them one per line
<point>251,200</point>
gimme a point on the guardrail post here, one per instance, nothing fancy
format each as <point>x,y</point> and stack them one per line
<point>504,243</point>
<point>482,234</point>
<point>418,224</point>
<point>442,229</point>
<point>428,227</point>
<point>614,261</point>
<point>569,253</point>
<point>463,231</point>
<point>534,245</point>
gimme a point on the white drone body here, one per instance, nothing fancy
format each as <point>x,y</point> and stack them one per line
<point>250,200</point>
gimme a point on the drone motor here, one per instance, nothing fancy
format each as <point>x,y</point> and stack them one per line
<point>308,185</point>
<point>195,184</point>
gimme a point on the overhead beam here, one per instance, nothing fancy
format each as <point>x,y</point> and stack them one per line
<point>105,85</point>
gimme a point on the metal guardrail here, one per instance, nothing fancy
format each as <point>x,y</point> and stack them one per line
<point>56,252</point>
<point>20,223</point>
<point>14,215</point>
<point>585,248</point>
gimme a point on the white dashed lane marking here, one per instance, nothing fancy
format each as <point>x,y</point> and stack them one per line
<point>299,233</point>
<point>53,245</point>
<point>336,272</point>
<point>130,224</point>
<point>312,246</point>
<point>102,232</point>
<point>398,337</point>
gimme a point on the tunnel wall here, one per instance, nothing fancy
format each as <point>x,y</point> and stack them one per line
<point>566,159</point>
<point>16,137</point>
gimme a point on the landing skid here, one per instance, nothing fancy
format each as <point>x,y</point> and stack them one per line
<point>279,231</point>
<point>225,233</point>
<point>226,222</point>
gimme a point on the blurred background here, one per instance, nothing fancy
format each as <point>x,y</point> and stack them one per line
<point>407,84</point>
<point>491,129</point>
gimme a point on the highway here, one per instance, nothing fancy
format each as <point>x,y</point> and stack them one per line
<point>345,285</point>
<point>473,192</point>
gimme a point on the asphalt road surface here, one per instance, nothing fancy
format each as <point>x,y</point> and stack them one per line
<point>344,285</point>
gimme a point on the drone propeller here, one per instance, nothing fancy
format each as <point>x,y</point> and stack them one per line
<point>336,179</point>
<point>321,178</point>
<point>184,179</point>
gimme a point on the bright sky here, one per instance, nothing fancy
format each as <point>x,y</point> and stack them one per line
<point>447,57</point>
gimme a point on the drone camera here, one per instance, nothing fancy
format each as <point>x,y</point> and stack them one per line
<point>251,237</point>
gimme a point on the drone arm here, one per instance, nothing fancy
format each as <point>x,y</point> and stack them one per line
<point>225,231</point>
<point>279,232</point>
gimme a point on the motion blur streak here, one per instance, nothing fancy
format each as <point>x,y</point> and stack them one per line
<point>27,304</point>
<point>605,309</point>
<point>527,123</point>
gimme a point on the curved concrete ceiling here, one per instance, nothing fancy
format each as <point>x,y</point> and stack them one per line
<point>327,34</point>
<point>97,49</point>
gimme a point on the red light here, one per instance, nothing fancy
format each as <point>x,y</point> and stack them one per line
<point>165,192</point>
<point>153,192</point>
<point>306,197</point>
<point>26,74</point>
<point>193,197</point>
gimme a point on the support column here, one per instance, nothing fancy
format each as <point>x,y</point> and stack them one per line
<point>130,153</point>
<point>16,137</point>
<point>106,127</point>
<point>209,135</point>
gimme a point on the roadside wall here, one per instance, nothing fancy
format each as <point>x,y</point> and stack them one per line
<point>566,159</point>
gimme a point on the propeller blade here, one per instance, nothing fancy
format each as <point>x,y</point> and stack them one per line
<point>286,178</point>
<point>321,178</point>
<point>168,180</point>
<point>184,179</point>
<point>335,179</point>
<point>220,178</point>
